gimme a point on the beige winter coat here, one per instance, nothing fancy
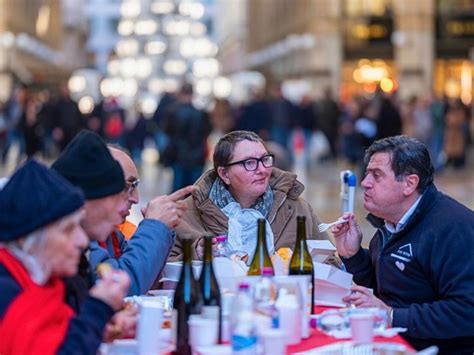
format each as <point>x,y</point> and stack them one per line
<point>203,217</point>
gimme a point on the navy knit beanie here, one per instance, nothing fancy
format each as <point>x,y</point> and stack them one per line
<point>87,163</point>
<point>34,197</point>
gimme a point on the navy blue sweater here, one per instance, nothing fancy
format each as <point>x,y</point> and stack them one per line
<point>84,334</point>
<point>426,273</point>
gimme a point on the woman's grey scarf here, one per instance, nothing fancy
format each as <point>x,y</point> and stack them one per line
<point>221,196</point>
<point>242,224</point>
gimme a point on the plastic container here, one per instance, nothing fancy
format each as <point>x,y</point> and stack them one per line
<point>221,249</point>
<point>265,294</point>
<point>244,335</point>
<point>289,310</point>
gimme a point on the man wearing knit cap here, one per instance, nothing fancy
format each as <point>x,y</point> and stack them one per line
<point>86,163</point>
<point>144,255</point>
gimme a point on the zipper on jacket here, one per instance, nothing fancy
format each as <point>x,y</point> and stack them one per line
<point>385,236</point>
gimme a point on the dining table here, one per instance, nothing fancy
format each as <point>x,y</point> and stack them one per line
<point>318,338</point>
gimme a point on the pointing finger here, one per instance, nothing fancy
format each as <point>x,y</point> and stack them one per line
<point>181,193</point>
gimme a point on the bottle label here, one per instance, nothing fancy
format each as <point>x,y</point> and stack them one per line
<point>244,343</point>
<point>309,296</point>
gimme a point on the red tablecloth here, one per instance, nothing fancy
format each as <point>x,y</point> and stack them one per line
<point>318,338</point>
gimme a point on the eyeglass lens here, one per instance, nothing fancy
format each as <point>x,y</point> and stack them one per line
<point>252,164</point>
<point>131,185</point>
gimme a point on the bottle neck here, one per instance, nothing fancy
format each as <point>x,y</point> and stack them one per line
<point>300,235</point>
<point>187,256</point>
<point>262,242</point>
<point>207,251</point>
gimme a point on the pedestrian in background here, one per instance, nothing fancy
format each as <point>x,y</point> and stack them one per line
<point>187,129</point>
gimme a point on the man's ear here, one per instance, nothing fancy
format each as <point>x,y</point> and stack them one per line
<point>222,172</point>
<point>411,184</point>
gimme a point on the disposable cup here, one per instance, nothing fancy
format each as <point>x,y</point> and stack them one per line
<point>362,327</point>
<point>149,328</point>
<point>202,332</point>
<point>273,341</point>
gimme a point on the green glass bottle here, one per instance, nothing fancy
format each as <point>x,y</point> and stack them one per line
<point>261,257</point>
<point>209,287</point>
<point>301,262</point>
<point>187,300</point>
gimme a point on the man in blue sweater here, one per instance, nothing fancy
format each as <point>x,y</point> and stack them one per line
<point>419,262</point>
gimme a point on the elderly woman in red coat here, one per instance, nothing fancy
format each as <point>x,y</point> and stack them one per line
<point>41,241</point>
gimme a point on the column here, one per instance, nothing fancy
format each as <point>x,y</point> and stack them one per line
<point>414,46</point>
<point>324,62</point>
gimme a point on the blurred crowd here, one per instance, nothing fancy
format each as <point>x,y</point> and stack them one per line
<point>42,123</point>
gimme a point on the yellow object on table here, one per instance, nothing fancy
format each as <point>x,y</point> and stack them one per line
<point>285,254</point>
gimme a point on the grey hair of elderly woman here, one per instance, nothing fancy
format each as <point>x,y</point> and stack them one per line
<point>224,150</point>
<point>25,249</point>
<point>31,250</point>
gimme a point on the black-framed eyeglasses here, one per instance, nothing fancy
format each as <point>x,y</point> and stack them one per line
<point>130,186</point>
<point>251,164</point>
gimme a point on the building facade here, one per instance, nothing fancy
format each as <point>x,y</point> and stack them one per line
<point>40,41</point>
<point>418,47</point>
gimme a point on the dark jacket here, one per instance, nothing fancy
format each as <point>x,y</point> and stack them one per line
<point>426,273</point>
<point>256,117</point>
<point>389,122</point>
<point>67,117</point>
<point>77,287</point>
<point>187,128</point>
<point>84,334</point>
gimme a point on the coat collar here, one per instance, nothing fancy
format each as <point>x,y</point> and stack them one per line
<point>427,200</point>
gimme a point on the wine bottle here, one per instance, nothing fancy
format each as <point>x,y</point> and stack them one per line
<point>209,287</point>
<point>187,300</point>
<point>261,258</point>
<point>301,262</point>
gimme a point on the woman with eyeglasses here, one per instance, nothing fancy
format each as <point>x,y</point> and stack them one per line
<point>242,187</point>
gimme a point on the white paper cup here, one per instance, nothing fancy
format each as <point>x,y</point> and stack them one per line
<point>362,327</point>
<point>149,328</point>
<point>214,350</point>
<point>273,341</point>
<point>202,332</point>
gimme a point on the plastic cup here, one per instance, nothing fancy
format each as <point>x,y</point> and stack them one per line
<point>149,328</point>
<point>273,341</point>
<point>362,327</point>
<point>202,332</point>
